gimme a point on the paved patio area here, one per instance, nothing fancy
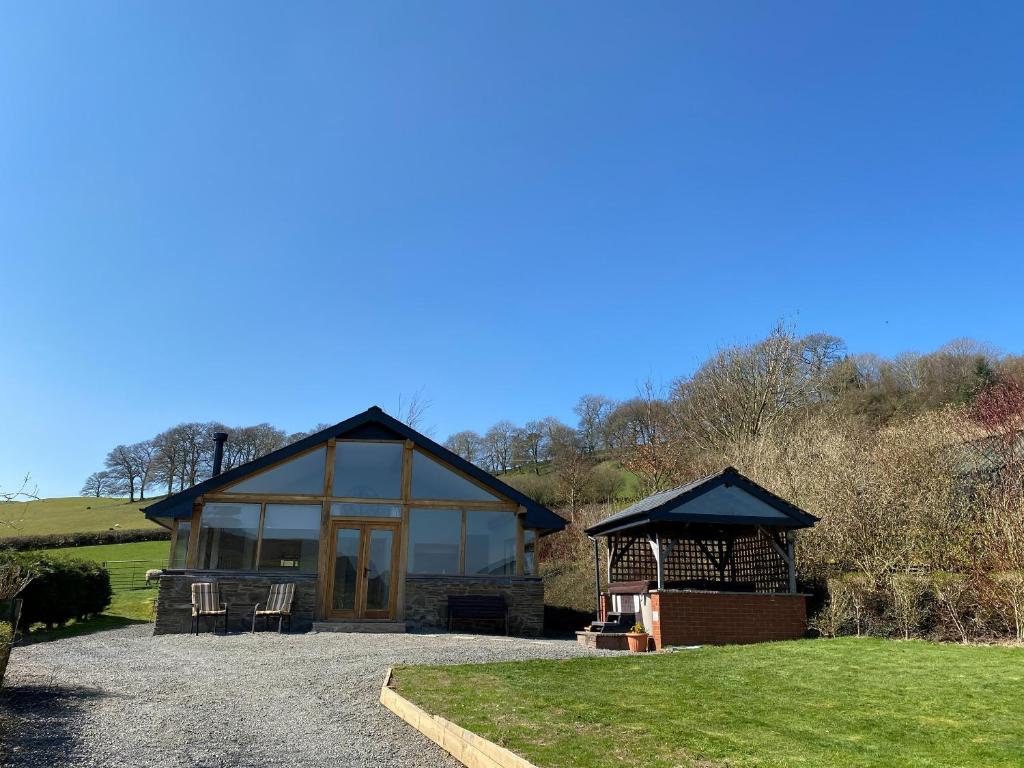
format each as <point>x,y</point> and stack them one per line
<point>126,698</point>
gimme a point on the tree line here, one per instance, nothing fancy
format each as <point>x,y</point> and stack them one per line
<point>180,457</point>
<point>914,464</point>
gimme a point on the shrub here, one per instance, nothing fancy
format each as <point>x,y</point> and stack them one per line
<point>1005,593</point>
<point>81,539</point>
<point>906,593</point>
<point>836,615</point>
<point>956,598</point>
<point>63,589</point>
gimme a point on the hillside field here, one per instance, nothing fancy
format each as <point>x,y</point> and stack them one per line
<point>71,515</point>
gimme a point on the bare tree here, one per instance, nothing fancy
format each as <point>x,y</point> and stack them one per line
<point>246,444</point>
<point>124,470</point>
<point>98,484</point>
<point>144,455</point>
<point>25,492</point>
<point>535,443</point>
<point>413,408</point>
<point>467,444</point>
<point>644,431</point>
<point>572,465</point>
<point>498,443</point>
<point>742,391</point>
<point>593,412</point>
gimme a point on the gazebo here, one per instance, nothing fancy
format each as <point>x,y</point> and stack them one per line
<point>709,562</point>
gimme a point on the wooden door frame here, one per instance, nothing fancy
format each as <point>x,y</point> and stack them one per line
<point>358,612</point>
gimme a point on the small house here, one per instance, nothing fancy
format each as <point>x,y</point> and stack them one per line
<point>375,524</point>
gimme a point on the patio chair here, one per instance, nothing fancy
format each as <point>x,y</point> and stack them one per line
<point>206,602</point>
<point>279,604</point>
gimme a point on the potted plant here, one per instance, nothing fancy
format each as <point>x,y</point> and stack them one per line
<point>637,638</point>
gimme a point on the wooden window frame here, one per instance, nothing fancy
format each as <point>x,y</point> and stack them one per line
<point>325,499</point>
<point>465,510</point>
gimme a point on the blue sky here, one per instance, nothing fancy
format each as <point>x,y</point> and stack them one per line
<point>288,212</point>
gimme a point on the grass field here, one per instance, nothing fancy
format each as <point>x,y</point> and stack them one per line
<point>70,515</point>
<point>129,606</point>
<point>846,702</point>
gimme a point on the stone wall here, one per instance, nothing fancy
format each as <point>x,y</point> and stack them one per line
<point>717,618</point>
<point>426,600</point>
<point>239,590</point>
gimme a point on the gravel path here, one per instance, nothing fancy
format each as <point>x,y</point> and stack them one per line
<point>126,698</point>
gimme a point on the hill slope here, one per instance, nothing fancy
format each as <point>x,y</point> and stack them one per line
<point>71,515</point>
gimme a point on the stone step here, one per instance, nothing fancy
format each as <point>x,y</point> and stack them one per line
<point>359,626</point>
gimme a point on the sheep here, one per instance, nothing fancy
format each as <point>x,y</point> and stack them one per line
<point>153,573</point>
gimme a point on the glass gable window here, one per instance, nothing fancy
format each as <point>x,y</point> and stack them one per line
<point>304,475</point>
<point>291,537</point>
<point>227,536</point>
<point>430,480</point>
<point>435,536</point>
<point>179,555</point>
<point>490,543</point>
<point>368,470</point>
<point>354,509</point>
<point>529,552</point>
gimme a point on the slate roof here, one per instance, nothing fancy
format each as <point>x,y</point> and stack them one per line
<point>669,506</point>
<point>371,423</point>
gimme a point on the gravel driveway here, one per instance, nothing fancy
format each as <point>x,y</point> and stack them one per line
<point>126,698</point>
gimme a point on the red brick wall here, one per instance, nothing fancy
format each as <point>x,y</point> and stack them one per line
<point>717,618</point>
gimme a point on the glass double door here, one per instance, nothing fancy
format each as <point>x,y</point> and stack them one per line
<point>363,570</point>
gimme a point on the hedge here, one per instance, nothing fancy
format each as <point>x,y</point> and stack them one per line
<point>82,539</point>
<point>63,589</point>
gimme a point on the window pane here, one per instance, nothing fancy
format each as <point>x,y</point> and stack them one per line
<point>529,552</point>
<point>352,509</point>
<point>430,480</point>
<point>302,475</point>
<point>368,470</point>
<point>179,556</point>
<point>227,536</point>
<point>346,562</point>
<point>291,537</point>
<point>491,543</point>
<point>434,538</point>
<point>378,570</point>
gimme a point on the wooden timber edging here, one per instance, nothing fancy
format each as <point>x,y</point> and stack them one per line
<point>465,746</point>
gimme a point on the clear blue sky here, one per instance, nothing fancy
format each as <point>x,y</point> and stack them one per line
<point>288,212</point>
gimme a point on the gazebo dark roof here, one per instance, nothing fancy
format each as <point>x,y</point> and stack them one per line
<point>671,507</point>
<point>372,423</point>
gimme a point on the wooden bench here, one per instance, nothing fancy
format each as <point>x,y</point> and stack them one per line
<point>477,607</point>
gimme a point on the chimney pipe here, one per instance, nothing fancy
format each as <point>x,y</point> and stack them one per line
<point>218,451</point>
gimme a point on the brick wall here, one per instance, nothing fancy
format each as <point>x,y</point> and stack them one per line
<point>718,618</point>
<point>240,591</point>
<point>426,600</point>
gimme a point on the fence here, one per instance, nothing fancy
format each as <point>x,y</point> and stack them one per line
<point>131,574</point>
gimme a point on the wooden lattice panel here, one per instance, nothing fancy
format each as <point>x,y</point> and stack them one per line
<point>748,561</point>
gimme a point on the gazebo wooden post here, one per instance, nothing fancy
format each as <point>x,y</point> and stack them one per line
<point>597,581</point>
<point>791,560</point>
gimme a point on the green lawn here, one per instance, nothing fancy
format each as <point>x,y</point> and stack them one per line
<point>70,515</point>
<point>845,702</point>
<point>129,606</point>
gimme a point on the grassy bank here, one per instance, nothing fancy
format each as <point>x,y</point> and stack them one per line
<point>848,702</point>
<point>70,515</point>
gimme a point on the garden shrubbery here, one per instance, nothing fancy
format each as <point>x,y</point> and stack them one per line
<point>62,589</point>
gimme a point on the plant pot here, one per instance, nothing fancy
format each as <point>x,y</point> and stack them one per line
<point>637,641</point>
